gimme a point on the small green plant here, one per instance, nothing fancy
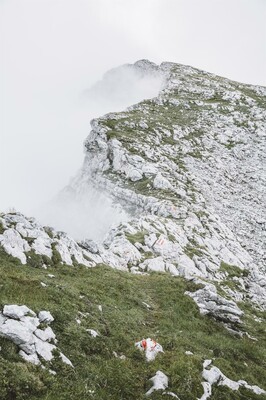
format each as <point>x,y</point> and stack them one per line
<point>191,250</point>
<point>2,229</point>
<point>230,145</point>
<point>233,270</point>
<point>137,237</point>
<point>37,260</point>
<point>49,231</point>
<point>56,258</point>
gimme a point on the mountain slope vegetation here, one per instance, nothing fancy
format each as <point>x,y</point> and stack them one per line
<point>132,307</point>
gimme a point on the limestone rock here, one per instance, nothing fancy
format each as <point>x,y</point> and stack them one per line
<point>44,349</point>
<point>45,316</point>
<point>14,244</point>
<point>215,376</point>
<point>46,334</point>
<point>153,264</point>
<point>32,358</point>
<point>93,333</point>
<point>17,312</point>
<point>210,302</point>
<point>66,360</point>
<point>159,381</point>
<point>16,331</point>
<point>150,347</point>
<point>161,183</point>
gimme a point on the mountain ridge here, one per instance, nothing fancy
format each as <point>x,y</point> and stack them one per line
<point>188,169</point>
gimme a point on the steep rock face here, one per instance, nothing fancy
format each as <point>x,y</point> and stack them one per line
<point>189,166</point>
<point>200,143</point>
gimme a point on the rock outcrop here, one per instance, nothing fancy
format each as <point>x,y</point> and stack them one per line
<point>23,327</point>
<point>210,302</point>
<point>215,376</point>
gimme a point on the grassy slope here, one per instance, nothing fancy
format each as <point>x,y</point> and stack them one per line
<point>174,321</point>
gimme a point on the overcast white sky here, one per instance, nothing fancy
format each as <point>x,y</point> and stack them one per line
<point>51,50</point>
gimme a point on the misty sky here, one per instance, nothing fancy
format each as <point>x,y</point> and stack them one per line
<point>52,50</point>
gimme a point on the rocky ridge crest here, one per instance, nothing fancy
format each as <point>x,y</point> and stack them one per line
<point>189,168</point>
